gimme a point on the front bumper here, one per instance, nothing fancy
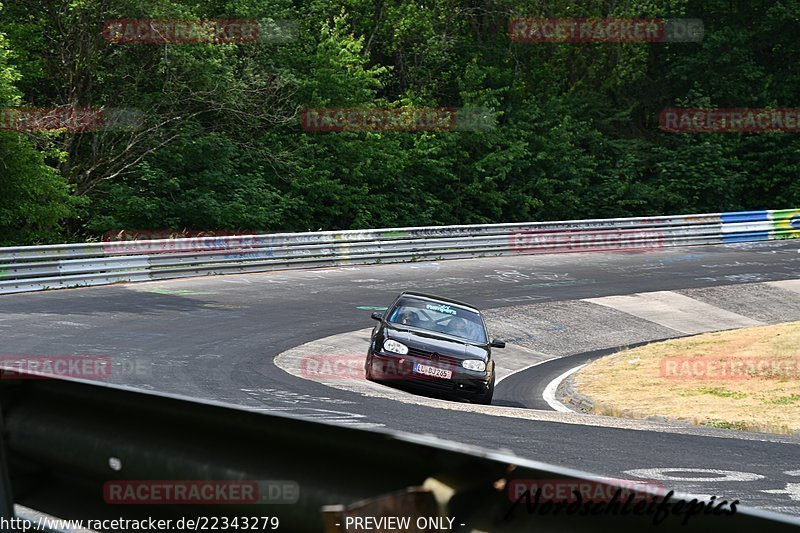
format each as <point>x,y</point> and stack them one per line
<point>399,369</point>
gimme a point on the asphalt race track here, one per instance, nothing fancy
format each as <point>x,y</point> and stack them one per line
<point>216,337</point>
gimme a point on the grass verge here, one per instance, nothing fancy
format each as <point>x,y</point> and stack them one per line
<point>745,379</point>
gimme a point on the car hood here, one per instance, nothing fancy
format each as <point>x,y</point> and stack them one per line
<point>430,341</point>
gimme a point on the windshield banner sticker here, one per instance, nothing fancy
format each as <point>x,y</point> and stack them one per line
<point>441,308</point>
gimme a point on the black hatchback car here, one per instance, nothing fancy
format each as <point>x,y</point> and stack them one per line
<point>434,343</point>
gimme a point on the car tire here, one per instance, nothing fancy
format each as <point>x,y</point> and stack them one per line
<point>485,398</point>
<point>368,371</point>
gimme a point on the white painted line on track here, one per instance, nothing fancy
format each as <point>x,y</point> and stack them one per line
<point>668,474</point>
<point>792,490</point>
<point>549,393</point>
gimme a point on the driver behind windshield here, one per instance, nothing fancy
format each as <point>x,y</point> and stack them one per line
<point>465,329</point>
<point>407,318</point>
<point>457,327</point>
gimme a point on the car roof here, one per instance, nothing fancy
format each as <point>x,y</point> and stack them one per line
<point>433,298</point>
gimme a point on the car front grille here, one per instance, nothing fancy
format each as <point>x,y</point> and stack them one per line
<point>428,356</point>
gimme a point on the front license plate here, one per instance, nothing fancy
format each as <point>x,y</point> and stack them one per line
<point>432,371</point>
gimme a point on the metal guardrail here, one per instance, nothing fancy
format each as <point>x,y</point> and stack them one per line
<point>32,268</point>
<point>65,441</point>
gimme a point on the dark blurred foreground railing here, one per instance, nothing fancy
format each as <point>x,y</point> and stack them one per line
<point>64,442</point>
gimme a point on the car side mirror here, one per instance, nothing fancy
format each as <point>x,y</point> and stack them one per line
<point>377,316</point>
<point>497,343</point>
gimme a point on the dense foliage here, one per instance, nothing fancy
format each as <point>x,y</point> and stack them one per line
<point>221,146</point>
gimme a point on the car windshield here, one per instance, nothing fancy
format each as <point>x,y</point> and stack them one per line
<point>439,317</point>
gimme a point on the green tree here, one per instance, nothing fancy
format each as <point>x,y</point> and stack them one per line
<point>33,197</point>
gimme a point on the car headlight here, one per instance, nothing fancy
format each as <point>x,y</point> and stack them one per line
<point>474,364</point>
<point>395,347</point>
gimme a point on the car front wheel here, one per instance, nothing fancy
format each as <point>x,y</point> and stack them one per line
<point>485,398</point>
